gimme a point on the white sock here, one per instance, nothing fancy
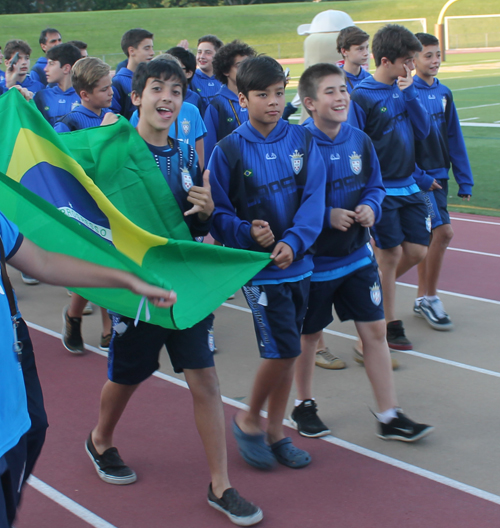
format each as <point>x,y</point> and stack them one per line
<point>386,416</point>
<point>431,298</point>
<point>298,402</point>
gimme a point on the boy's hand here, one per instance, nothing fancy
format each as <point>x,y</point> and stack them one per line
<point>261,233</point>
<point>12,74</point>
<point>183,44</point>
<point>435,185</point>
<point>156,296</point>
<point>404,82</point>
<point>364,215</point>
<point>282,255</point>
<point>24,92</point>
<point>201,198</point>
<point>342,219</point>
<point>465,197</point>
<point>109,119</point>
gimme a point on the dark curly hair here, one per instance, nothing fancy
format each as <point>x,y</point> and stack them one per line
<point>224,58</point>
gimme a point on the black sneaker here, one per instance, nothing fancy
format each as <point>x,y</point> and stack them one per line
<point>305,418</point>
<point>109,466</point>
<point>72,333</point>
<point>238,509</point>
<point>433,312</point>
<point>29,280</point>
<point>402,428</point>
<point>396,338</point>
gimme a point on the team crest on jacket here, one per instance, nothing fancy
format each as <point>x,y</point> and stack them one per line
<point>187,181</point>
<point>375,294</point>
<point>428,223</point>
<point>444,101</point>
<point>297,161</point>
<point>186,126</point>
<point>356,163</point>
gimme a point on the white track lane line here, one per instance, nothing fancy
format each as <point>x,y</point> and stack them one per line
<point>69,504</point>
<point>474,221</point>
<point>474,252</point>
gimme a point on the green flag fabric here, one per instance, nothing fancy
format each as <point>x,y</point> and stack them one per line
<point>97,194</point>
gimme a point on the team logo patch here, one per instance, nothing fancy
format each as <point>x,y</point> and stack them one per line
<point>74,105</point>
<point>383,109</point>
<point>270,156</point>
<point>187,181</point>
<point>297,161</point>
<point>432,96</point>
<point>375,294</point>
<point>248,173</point>
<point>186,126</point>
<point>230,119</point>
<point>335,157</point>
<point>444,101</point>
<point>211,340</point>
<point>428,223</point>
<point>395,96</point>
<point>46,108</point>
<point>61,101</point>
<point>356,163</point>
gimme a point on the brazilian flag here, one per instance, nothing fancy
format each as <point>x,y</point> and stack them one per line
<point>97,194</point>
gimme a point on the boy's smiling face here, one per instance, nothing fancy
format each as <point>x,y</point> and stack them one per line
<point>428,61</point>
<point>265,107</point>
<point>160,103</point>
<point>331,104</point>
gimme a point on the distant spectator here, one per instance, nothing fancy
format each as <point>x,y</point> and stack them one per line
<point>49,38</point>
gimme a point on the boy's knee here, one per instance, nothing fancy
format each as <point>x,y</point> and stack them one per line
<point>443,234</point>
<point>203,383</point>
<point>389,257</point>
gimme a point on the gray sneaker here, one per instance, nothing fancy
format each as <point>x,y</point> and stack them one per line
<point>416,307</point>
<point>433,312</point>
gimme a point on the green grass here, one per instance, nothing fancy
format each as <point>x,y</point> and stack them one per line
<point>272,28</point>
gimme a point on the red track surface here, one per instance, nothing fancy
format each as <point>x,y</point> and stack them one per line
<point>157,437</point>
<point>468,273</point>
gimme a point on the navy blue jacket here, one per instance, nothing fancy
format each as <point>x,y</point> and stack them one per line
<point>352,178</point>
<point>206,87</point>
<point>445,146</point>
<point>55,104</point>
<point>392,118</point>
<point>221,118</point>
<point>80,118</point>
<point>38,70</point>
<point>122,88</point>
<point>279,179</point>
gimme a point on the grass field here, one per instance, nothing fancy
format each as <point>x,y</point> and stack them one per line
<point>272,28</point>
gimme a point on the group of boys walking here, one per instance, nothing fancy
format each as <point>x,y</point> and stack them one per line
<point>311,196</point>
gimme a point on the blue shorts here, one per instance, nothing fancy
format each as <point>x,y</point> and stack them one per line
<point>404,219</point>
<point>356,296</point>
<point>134,350</point>
<point>437,204</point>
<point>12,466</point>
<point>278,313</point>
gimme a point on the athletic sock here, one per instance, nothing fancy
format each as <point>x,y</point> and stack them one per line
<point>386,416</point>
<point>431,298</point>
<point>298,402</point>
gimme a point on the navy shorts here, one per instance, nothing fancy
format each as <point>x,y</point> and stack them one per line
<point>437,204</point>
<point>356,296</point>
<point>278,313</point>
<point>12,465</point>
<point>404,219</point>
<point>134,350</point>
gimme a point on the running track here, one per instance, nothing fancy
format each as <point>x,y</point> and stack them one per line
<point>158,438</point>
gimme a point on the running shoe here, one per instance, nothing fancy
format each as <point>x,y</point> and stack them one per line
<point>72,333</point>
<point>239,510</point>
<point>325,359</point>
<point>433,312</point>
<point>396,338</point>
<point>305,418</point>
<point>403,429</point>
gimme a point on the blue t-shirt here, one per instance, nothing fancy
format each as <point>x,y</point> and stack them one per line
<point>223,115</point>
<point>122,88</point>
<point>206,87</point>
<point>189,125</point>
<point>79,118</point>
<point>14,418</point>
<point>279,179</point>
<point>54,104</point>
